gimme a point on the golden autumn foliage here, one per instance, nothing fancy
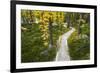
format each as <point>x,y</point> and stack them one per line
<point>45,17</point>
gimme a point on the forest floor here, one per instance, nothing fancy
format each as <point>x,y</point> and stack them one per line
<point>63,50</point>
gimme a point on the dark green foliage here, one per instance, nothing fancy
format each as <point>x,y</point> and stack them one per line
<point>79,48</point>
<point>32,46</point>
<point>86,30</point>
<point>58,31</point>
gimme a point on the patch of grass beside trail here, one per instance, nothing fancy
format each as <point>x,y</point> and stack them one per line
<point>79,48</point>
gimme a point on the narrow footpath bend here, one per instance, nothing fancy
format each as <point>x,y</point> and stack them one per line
<point>63,53</point>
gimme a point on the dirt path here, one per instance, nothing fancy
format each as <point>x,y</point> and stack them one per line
<point>63,53</point>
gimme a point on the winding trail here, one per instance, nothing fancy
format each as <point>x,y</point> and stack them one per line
<point>63,53</point>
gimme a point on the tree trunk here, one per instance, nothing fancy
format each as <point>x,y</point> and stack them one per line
<point>50,32</point>
<point>31,17</point>
<point>68,20</point>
